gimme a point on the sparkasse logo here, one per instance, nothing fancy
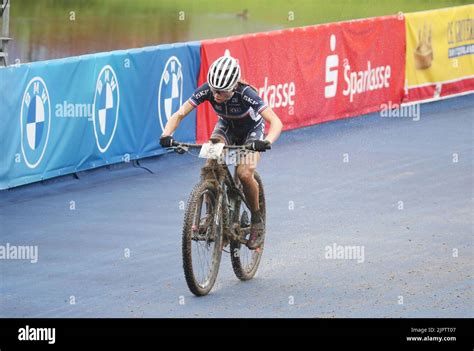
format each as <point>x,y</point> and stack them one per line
<point>356,81</point>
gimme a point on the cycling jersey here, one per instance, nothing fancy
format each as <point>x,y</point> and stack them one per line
<point>243,107</point>
<point>239,117</point>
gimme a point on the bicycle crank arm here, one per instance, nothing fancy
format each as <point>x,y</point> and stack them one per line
<point>239,234</point>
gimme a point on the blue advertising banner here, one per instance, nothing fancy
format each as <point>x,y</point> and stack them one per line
<point>62,116</point>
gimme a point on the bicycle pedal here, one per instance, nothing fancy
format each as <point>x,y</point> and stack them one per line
<point>225,243</point>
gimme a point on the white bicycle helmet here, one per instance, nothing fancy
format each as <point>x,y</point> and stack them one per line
<point>224,73</point>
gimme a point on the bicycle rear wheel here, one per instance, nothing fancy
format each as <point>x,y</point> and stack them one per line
<point>202,239</point>
<point>245,261</point>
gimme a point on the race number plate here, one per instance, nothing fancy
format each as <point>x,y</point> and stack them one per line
<point>212,151</point>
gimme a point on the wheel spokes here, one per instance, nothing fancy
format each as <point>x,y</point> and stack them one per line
<point>203,239</point>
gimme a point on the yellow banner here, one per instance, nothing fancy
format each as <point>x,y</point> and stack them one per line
<point>440,45</point>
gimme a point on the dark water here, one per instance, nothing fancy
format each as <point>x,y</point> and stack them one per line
<point>46,29</point>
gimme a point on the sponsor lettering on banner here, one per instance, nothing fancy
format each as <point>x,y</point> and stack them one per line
<point>112,110</point>
<point>278,95</point>
<point>318,73</point>
<point>440,53</point>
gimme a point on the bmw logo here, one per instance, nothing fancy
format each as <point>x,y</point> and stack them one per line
<point>170,91</point>
<point>35,122</point>
<point>106,107</point>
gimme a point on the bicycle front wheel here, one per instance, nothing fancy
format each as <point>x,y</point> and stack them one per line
<point>202,239</point>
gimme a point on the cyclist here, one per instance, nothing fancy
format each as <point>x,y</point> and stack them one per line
<point>241,115</point>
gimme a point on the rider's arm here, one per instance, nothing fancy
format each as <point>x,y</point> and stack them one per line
<point>275,124</point>
<point>253,100</point>
<point>177,117</point>
<point>200,95</point>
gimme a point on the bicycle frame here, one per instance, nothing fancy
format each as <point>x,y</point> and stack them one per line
<point>229,191</point>
<point>228,188</point>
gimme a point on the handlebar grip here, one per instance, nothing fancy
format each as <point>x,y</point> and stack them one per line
<point>249,146</point>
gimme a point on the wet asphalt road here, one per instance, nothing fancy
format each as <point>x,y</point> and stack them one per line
<point>387,186</point>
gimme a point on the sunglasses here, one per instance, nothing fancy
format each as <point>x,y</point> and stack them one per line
<point>221,92</point>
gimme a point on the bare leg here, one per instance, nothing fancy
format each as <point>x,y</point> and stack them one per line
<point>245,172</point>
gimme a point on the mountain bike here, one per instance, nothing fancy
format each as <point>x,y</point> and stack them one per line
<point>217,215</point>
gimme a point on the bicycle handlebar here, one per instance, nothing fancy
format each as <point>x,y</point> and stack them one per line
<point>231,147</point>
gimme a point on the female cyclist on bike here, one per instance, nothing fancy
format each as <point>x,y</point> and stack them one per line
<point>241,114</point>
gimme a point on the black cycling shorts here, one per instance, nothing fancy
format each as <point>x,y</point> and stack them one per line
<point>239,133</point>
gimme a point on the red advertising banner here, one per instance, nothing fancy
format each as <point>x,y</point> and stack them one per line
<point>315,74</point>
